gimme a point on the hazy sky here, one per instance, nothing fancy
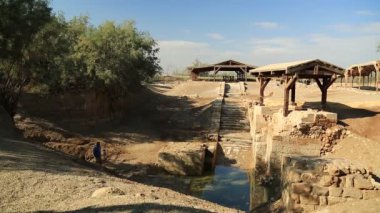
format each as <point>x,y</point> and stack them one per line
<point>256,32</point>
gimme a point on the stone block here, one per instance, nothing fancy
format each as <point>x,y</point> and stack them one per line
<point>362,183</point>
<point>335,192</point>
<point>352,193</point>
<point>320,191</point>
<point>308,177</point>
<point>308,118</point>
<point>326,180</point>
<point>309,200</point>
<point>335,200</point>
<point>293,176</point>
<point>349,183</point>
<point>342,182</point>
<point>322,200</point>
<point>303,208</point>
<point>295,197</point>
<point>301,188</point>
<point>183,158</point>
<point>370,194</point>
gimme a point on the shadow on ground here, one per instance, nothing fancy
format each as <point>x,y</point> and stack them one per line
<point>137,208</point>
<point>343,111</point>
<point>150,117</point>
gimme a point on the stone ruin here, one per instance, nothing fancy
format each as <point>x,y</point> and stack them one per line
<point>187,158</point>
<point>311,183</point>
<point>306,132</point>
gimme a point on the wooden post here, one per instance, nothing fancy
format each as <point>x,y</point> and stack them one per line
<point>289,83</point>
<point>345,79</point>
<point>293,95</point>
<point>360,76</point>
<point>324,93</point>
<point>263,85</point>
<point>377,69</point>
<point>286,98</point>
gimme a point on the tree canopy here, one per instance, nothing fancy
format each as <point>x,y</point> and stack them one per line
<point>41,49</point>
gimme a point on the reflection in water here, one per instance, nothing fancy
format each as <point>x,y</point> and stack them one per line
<point>229,186</point>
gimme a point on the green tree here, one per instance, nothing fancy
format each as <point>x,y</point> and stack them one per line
<point>117,57</point>
<point>20,21</point>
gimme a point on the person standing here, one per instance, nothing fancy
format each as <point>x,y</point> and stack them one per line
<point>97,152</point>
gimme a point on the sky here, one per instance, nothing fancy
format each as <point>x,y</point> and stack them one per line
<point>256,32</point>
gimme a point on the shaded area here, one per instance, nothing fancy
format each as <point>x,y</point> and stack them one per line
<point>363,121</point>
<point>137,208</point>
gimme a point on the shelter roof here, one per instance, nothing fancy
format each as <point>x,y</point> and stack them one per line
<point>307,67</point>
<point>229,65</point>
<point>366,68</point>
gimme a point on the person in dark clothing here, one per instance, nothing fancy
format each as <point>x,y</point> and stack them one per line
<point>97,152</point>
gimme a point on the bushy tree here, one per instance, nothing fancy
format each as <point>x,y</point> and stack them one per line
<point>20,20</point>
<point>43,50</point>
<point>117,57</point>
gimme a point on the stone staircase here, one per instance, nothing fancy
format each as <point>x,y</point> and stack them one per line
<point>234,133</point>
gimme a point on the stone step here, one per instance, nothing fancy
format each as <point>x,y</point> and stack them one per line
<point>248,140</point>
<point>234,125</point>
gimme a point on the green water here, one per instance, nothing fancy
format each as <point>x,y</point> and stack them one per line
<point>231,187</point>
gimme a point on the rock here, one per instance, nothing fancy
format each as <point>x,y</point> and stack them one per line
<point>352,193</point>
<point>349,181</point>
<point>320,191</point>
<point>139,195</point>
<point>309,200</point>
<point>374,183</point>
<point>362,183</point>
<point>293,176</point>
<point>323,201</point>
<point>295,197</point>
<point>326,180</point>
<point>333,170</point>
<point>370,194</point>
<point>335,200</point>
<point>335,192</point>
<point>308,177</point>
<point>107,191</point>
<point>301,188</point>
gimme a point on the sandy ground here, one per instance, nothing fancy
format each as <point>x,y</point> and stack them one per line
<point>37,179</point>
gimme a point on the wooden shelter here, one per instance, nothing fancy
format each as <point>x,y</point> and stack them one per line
<point>322,72</point>
<point>239,68</point>
<point>362,71</point>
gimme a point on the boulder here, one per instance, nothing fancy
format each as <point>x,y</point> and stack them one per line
<point>362,183</point>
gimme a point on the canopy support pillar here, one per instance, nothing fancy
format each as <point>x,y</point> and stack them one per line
<point>289,83</point>
<point>263,84</point>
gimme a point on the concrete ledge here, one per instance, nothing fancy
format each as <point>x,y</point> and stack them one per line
<point>182,158</point>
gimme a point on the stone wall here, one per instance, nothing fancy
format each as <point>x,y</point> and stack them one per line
<point>310,183</point>
<point>182,158</point>
<point>299,133</point>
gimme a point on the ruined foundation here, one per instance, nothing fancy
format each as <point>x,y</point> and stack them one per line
<point>310,183</point>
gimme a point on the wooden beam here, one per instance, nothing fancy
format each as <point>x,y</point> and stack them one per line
<point>319,84</point>
<point>331,81</point>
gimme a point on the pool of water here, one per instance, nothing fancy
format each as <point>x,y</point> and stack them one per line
<point>231,187</point>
